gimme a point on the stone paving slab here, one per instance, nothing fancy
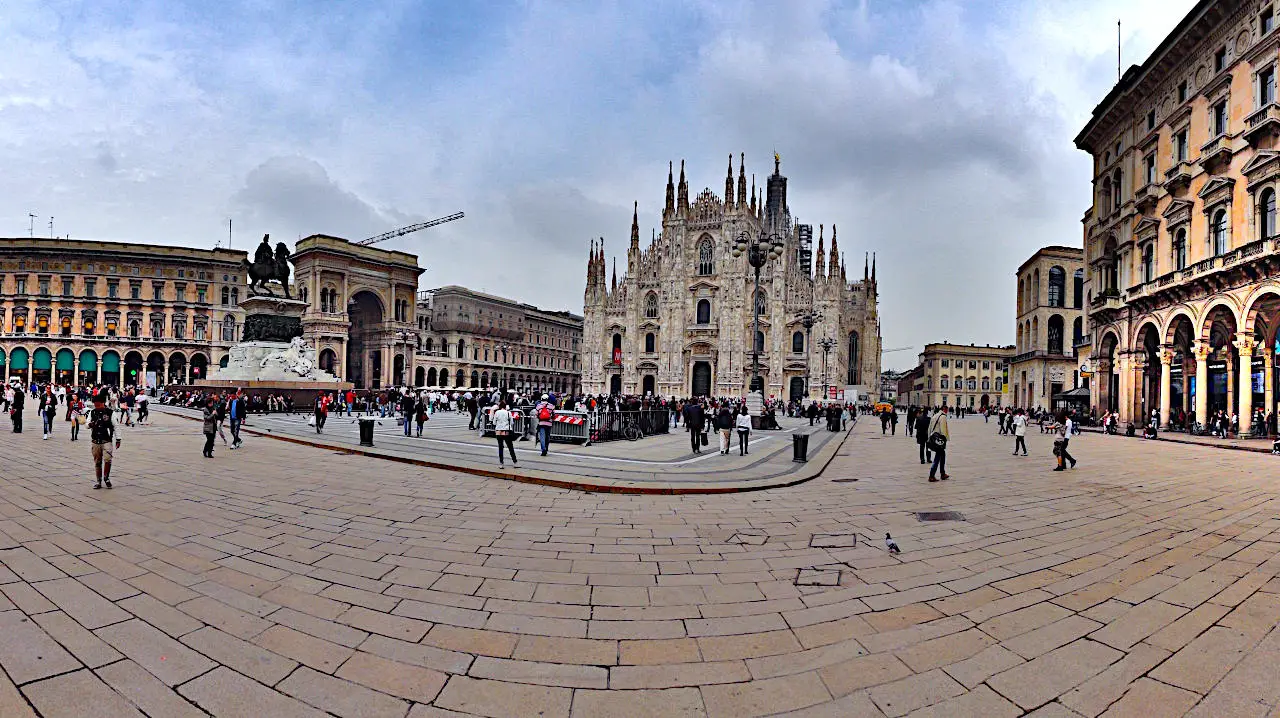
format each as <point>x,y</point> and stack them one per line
<point>289,580</point>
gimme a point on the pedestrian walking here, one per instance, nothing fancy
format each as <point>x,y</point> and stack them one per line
<point>210,427</point>
<point>502,430</point>
<point>744,430</point>
<point>321,412</point>
<point>76,415</point>
<point>422,411</point>
<point>235,410</point>
<point>15,410</point>
<point>104,441</point>
<point>407,404</point>
<point>694,419</point>
<point>724,427</point>
<point>545,411</point>
<point>939,436</point>
<point>1065,425</point>
<point>922,436</point>
<point>48,410</point>
<point>1019,432</point>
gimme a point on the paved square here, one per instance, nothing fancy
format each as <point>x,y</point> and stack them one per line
<point>284,580</point>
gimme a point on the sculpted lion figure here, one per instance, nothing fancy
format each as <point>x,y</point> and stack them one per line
<point>298,359</point>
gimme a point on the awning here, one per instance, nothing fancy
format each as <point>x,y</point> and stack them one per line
<point>88,360</point>
<point>110,362</point>
<point>66,360</point>
<point>18,359</point>
<point>1,357</point>
<point>43,359</point>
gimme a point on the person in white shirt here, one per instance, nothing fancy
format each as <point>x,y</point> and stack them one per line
<point>1019,432</point>
<point>1065,425</point>
<point>502,430</point>
<point>743,424</point>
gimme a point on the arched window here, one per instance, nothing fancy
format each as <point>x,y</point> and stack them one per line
<point>429,345</point>
<point>854,375</point>
<point>704,311</point>
<point>762,303</point>
<point>475,378</point>
<point>324,301</point>
<point>1078,289</point>
<point>651,305</point>
<point>1149,262</point>
<point>1057,286</point>
<point>1106,195</point>
<point>999,384</point>
<point>1180,249</point>
<point>650,343</point>
<point>1035,332</point>
<point>1116,185</point>
<point>986,383</point>
<point>462,349</point>
<point>1035,288</point>
<point>1267,213</point>
<point>1111,267</point>
<point>1022,296</point>
<point>945,383</point>
<point>1218,232</point>
<point>1055,334</point>
<point>760,342</point>
<point>235,296</point>
<point>459,378</point>
<point>973,384</point>
<point>797,343</point>
<point>706,257</point>
<point>617,341</point>
<point>1077,331</point>
<point>226,296</point>
<point>229,328</point>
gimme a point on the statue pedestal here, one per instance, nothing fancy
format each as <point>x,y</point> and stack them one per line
<point>272,352</point>
<point>272,319</point>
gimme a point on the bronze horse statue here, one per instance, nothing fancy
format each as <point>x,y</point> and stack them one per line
<point>267,267</point>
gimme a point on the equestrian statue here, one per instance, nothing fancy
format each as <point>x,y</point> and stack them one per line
<point>268,267</point>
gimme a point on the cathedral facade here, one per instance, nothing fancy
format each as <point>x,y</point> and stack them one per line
<point>679,321</point>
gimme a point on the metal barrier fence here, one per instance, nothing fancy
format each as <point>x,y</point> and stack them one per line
<point>614,425</point>
<point>520,422</point>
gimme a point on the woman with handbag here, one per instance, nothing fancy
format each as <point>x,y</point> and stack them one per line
<point>743,423</point>
<point>502,430</point>
<point>939,435</point>
<point>1065,424</point>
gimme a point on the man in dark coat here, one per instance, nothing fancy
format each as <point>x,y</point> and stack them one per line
<point>19,398</point>
<point>694,420</point>
<point>922,435</point>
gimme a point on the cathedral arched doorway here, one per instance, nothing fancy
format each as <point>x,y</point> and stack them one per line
<point>797,388</point>
<point>649,384</point>
<point>701,378</point>
<point>364,359</point>
<point>615,385</point>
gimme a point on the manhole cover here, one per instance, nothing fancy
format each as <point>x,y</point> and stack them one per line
<point>939,516</point>
<point>842,481</point>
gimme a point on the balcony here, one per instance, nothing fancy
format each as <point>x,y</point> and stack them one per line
<point>1262,123</point>
<point>1106,301</point>
<point>1145,198</point>
<point>1039,354</point>
<point>1215,152</point>
<point>1179,175</point>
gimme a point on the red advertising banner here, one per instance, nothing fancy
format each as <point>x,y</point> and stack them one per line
<point>617,356</point>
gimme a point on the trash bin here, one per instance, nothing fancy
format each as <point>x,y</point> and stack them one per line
<point>800,447</point>
<point>366,430</point>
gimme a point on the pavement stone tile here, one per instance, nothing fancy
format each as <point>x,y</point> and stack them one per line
<point>413,683</point>
<point>257,663</point>
<point>668,703</point>
<point>227,694</point>
<point>1203,662</point>
<point>1042,679</point>
<point>86,647</point>
<point>342,698</point>
<point>28,653</point>
<point>498,699</point>
<point>764,697</point>
<point>919,691</point>
<point>145,691</point>
<point>1094,695</point>
<point>541,673</point>
<point>1147,697</point>
<point>78,694</point>
<point>308,650</point>
<point>676,675</point>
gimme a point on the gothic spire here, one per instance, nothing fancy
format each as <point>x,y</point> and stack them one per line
<point>635,225</point>
<point>615,275</point>
<point>670,205</point>
<point>591,264</point>
<point>866,267</point>
<point>753,192</point>
<point>820,262</point>
<point>835,253</point>
<point>682,192</point>
<point>873,267</point>
<point>742,177</point>
<point>728,185</point>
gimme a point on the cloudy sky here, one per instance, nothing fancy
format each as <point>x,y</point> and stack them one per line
<point>934,133</point>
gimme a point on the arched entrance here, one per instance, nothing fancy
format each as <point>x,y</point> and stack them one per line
<point>42,366</point>
<point>328,360</point>
<point>615,384</point>
<point>155,375</point>
<point>364,358</point>
<point>986,401</point>
<point>65,366</point>
<point>701,378</point>
<point>1108,379</point>
<point>88,374</point>
<point>132,368</point>
<point>199,366</point>
<point>111,368</point>
<point>796,392</point>
<point>1182,371</point>
<point>431,376</point>
<point>19,362</point>
<point>1220,331</point>
<point>1147,374</point>
<point>420,376</point>
<point>177,368</point>
<point>397,369</point>
<point>648,385</point>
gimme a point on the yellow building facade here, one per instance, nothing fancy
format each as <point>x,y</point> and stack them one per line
<point>1181,247</point>
<point>962,376</point>
<point>81,312</point>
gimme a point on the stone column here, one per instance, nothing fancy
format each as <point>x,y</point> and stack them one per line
<point>1102,384</point>
<point>1124,394</point>
<point>1202,351</point>
<point>1245,345</point>
<point>1166,376</point>
<point>1268,364</point>
<point>97,372</point>
<point>1139,412</point>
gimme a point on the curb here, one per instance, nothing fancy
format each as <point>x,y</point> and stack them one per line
<point>830,451</point>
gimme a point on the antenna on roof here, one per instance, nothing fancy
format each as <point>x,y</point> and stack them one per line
<point>31,231</point>
<point>1117,51</point>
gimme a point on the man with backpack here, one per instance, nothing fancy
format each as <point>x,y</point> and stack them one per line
<point>545,413</point>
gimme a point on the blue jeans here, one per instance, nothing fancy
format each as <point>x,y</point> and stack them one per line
<point>939,463</point>
<point>408,422</point>
<point>544,435</point>
<point>235,430</point>
<point>48,422</point>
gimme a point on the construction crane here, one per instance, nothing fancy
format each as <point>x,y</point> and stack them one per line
<point>895,349</point>
<point>409,229</point>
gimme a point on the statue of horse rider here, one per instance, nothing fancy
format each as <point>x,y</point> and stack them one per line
<point>267,267</point>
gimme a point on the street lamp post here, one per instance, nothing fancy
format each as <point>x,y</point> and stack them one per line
<point>504,348</point>
<point>759,250</point>
<point>827,344</point>
<point>404,336</point>
<point>807,320</point>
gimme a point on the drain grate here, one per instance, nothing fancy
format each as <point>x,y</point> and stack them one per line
<point>842,481</point>
<point>828,575</point>
<point>833,540</point>
<point>939,516</point>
